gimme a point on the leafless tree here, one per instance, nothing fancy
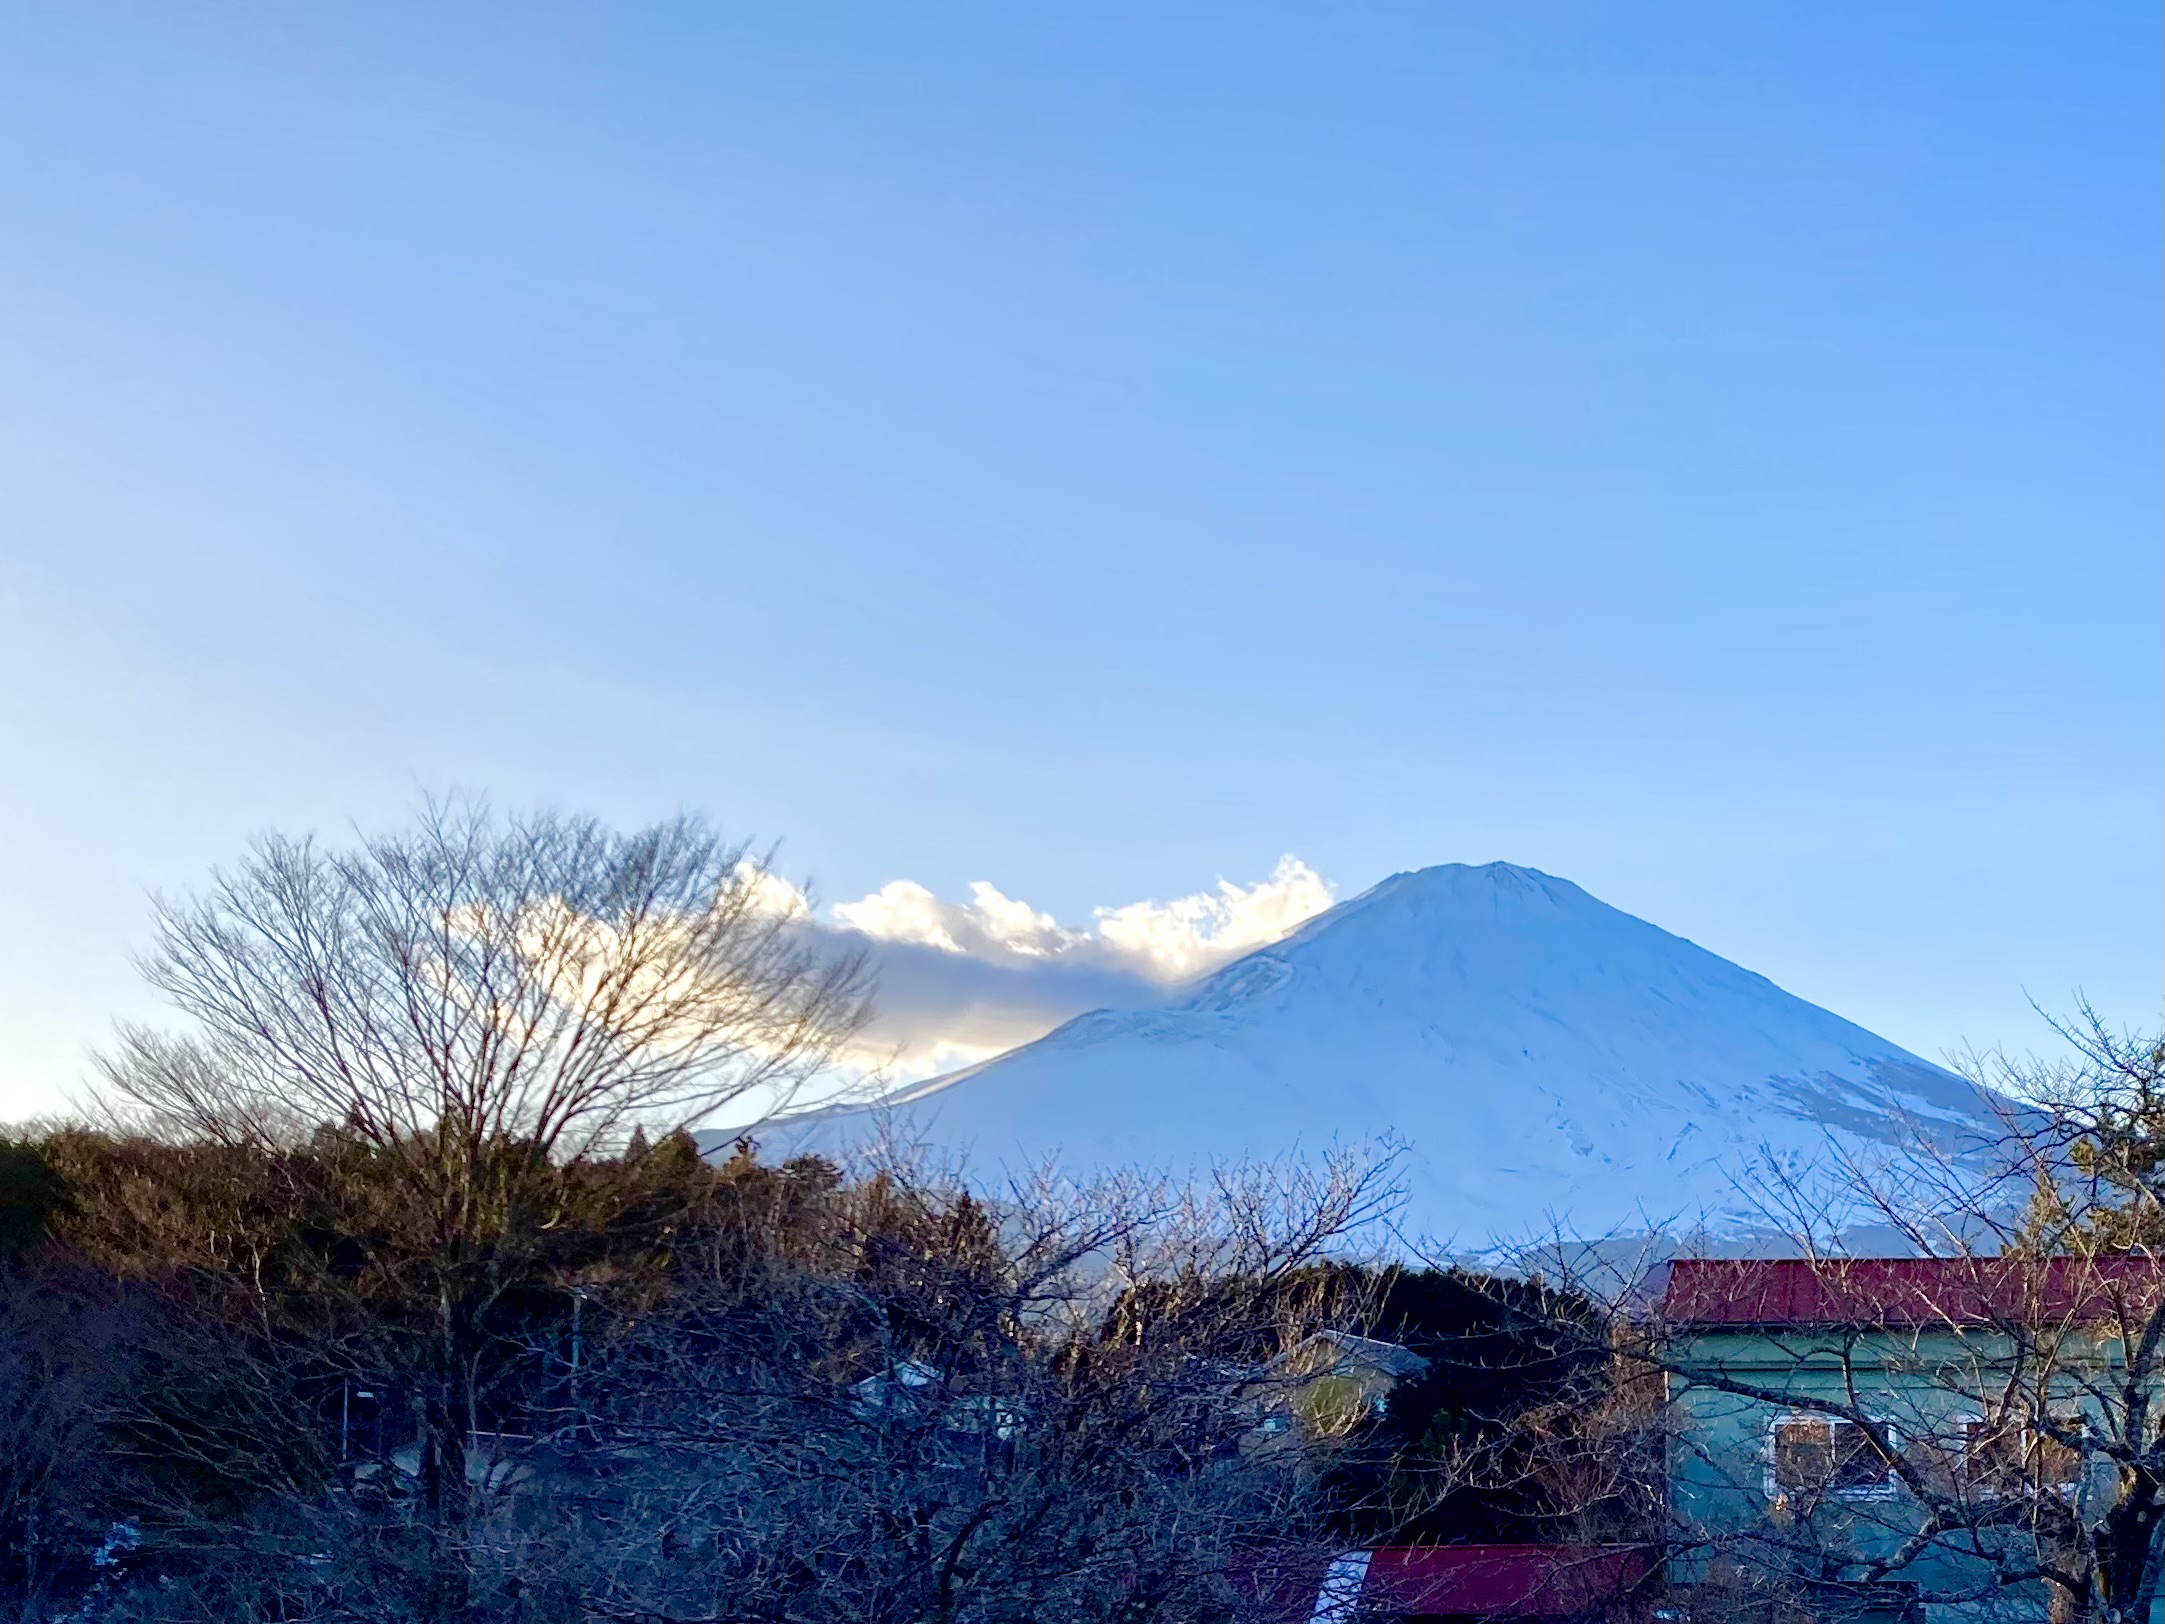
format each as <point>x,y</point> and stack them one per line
<point>476,1006</point>
<point>480,979</point>
<point>980,1432</point>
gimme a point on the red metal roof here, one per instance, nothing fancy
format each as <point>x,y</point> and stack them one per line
<point>1502,1581</point>
<point>1481,1581</point>
<point>1910,1291</point>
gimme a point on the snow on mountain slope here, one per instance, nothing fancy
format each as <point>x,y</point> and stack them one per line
<point>1546,1059</point>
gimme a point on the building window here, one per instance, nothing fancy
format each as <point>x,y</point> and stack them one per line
<point>2009,1457</point>
<point>1816,1455</point>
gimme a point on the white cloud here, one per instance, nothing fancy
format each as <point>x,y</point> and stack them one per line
<point>899,911</point>
<point>1162,942</point>
<point>962,981</point>
<point>770,893</point>
<point>1189,935</point>
<point>989,926</point>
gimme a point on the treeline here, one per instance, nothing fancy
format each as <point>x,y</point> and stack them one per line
<point>250,1383</point>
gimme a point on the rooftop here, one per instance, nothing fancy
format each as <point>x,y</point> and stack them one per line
<point>1910,1292</point>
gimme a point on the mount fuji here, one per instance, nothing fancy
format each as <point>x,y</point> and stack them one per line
<point>1547,1062</point>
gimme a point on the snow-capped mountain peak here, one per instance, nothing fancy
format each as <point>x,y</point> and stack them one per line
<point>1545,1058</point>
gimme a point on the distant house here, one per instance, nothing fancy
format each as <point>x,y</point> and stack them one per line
<point>1883,1434</point>
<point>1330,1383</point>
<point>907,1387</point>
<point>914,1394</point>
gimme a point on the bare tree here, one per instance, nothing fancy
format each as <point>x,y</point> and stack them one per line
<point>968,1427</point>
<point>479,980</point>
<point>474,1008</point>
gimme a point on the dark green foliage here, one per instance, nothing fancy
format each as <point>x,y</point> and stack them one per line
<point>263,1287</point>
<point>32,1194</point>
<point>1462,1452</point>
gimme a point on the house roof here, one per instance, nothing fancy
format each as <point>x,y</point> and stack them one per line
<point>1468,1581</point>
<point>1500,1581</point>
<point>1911,1292</point>
<point>1342,1348</point>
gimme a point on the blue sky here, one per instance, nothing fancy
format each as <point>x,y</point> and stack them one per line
<point>1708,452</point>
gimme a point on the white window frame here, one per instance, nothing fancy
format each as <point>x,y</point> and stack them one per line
<point>2072,1414</point>
<point>1890,1489</point>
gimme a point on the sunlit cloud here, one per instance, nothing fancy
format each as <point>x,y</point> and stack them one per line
<point>1190,935</point>
<point>961,981</point>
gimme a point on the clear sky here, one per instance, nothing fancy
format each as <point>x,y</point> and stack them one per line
<point>1707,451</point>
